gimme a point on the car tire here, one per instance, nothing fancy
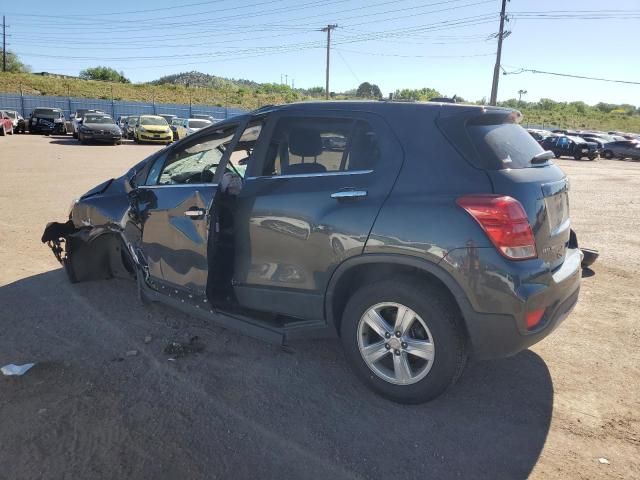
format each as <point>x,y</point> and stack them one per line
<point>3,131</point>
<point>414,379</point>
<point>577,157</point>
<point>75,135</point>
<point>608,154</point>
<point>557,155</point>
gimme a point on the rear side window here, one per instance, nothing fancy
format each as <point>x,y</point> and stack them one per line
<point>321,145</point>
<point>506,145</point>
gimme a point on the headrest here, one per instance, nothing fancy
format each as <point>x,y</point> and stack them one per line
<point>304,168</point>
<point>305,142</point>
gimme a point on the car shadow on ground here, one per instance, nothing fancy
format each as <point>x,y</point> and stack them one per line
<point>286,414</point>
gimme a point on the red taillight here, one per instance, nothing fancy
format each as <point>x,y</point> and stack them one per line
<point>505,222</point>
<point>534,317</point>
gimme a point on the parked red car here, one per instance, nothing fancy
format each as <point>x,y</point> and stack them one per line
<point>6,124</point>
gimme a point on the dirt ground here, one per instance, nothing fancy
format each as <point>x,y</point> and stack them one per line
<point>246,409</point>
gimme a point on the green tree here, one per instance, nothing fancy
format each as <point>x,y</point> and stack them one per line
<point>423,94</point>
<point>368,90</point>
<point>14,65</point>
<point>105,74</point>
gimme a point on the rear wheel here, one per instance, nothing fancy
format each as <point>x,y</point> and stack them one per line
<point>404,339</point>
<point>608,154</point>
<point>577,156</point>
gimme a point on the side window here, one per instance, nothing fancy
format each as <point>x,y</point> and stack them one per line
<point>243,151</point>
<point>313,145</point>
<point>195,162</point>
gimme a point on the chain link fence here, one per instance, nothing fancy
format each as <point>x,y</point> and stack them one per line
<point>25,104</point>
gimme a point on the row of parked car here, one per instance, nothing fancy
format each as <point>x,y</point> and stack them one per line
<point>97,126</point>
<point>589,144</point>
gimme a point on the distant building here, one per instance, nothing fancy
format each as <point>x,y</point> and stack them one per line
<point>56,75</point>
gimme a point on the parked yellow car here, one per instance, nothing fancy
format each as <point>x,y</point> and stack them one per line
<point>152,129</point>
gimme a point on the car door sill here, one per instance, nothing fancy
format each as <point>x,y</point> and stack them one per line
<point>231,319</point>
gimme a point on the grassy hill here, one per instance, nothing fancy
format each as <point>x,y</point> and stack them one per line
<point>226,93</point>
<point>211,90</point>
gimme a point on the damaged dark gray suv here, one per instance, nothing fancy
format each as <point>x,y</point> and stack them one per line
<point>419,234</point>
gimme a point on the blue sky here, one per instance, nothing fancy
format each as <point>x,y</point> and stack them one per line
<point>442,44</point>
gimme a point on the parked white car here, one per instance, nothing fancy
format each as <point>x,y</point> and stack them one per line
<point>192,125</point>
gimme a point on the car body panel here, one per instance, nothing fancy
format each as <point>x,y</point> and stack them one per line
<point>293,241</point>
<point>47,120</point>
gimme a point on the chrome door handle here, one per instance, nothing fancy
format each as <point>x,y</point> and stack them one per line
<point>349,194</point>
<point>195,212</point>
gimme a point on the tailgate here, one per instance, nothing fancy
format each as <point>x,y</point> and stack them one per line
<point>544,194</point>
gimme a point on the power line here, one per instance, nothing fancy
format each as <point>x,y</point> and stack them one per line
<point>582,77</point>
<point>377,54</point>
<point>347,65</point>
<point>345,40</point>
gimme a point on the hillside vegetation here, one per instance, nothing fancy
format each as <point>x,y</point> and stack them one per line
<point>212,90</point>
<point>226,94</point>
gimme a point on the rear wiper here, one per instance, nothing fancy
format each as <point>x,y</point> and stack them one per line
<point>543,157</point>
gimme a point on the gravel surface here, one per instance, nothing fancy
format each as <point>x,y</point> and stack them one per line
<point>567,408</point>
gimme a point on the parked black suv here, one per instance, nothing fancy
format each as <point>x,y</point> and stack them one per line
<point>576,147</point>
<point>47,121</point>
<point>420,234</point>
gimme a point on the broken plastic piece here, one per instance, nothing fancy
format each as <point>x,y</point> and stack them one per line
<point>17,370</point>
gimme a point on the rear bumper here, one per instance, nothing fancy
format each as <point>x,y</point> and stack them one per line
<point>499,329</point>
<point>152,139</point>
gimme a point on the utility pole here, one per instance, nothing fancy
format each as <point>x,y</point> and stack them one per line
<point>4,45</point>
<point>328,29</point>
<point>496,70</point>
<point>286,79</point>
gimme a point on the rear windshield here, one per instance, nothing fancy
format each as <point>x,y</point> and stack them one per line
<point>97,119</point>
<point>153,121</point>
<point>199,123</point>
<point>46,111</point>
<point>506,145</point>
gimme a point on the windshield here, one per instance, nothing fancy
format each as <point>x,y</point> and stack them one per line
<point>10,114</point>
<point>177,121</point>
<point>506,145</point>
<point>46,111</point>
<point>199,123</point>
<point>153,121</point>
<point>98,119</point>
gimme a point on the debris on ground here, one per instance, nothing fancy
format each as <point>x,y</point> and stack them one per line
<point>180,349</point>
<point>16,370</point>
<point>147,339</point>
<point>604,461</point>
<point>132,353</point>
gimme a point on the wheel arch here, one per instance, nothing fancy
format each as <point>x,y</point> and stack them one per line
<point>369,268</point>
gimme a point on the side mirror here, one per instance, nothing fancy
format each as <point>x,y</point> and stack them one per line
<point>132,180</point>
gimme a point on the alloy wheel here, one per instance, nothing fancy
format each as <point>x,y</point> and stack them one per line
<point>395,343</point>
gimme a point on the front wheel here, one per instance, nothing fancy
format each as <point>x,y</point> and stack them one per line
<point>608,154</point>
<point>404,339</point>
